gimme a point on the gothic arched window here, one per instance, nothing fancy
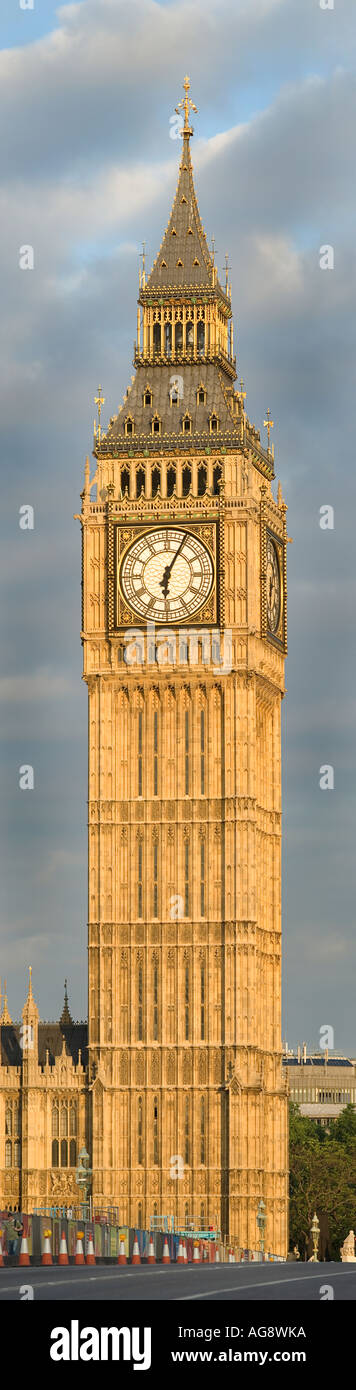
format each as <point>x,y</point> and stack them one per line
<point>55,1154</point>
<point>156,481</point>
<point>171,479</point>
<point>125,480</point>
<point>186,480</point>
<point>202,475</point>
<point>201,337</point>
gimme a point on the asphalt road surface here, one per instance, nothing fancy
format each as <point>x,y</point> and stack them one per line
<point>179,1283</point>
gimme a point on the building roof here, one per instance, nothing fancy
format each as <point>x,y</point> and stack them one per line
<point>184,260</point>
<point>317,1061</point>
<point>50,1037</point>
<point>160,378</point>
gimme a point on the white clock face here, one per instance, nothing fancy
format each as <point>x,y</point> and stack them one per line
<point>166,575</point>
<point>273,587</point>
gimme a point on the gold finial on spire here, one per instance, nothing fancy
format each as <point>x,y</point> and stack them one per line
<point>5,1016</point>
<point>242,391</point>
<point>99,400</point>
<point>269,425</point>
<point>187,103</point>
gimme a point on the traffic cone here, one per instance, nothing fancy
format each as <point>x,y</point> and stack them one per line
<point>63,1252</point>
<point>151,1258</point>
<point>166,1259</point>
<point>136,1257</point>
<point>1,1254</point>
<point>122,1256</point>
<point>79,1254</point>
<point>24,1258</point>
<point>180,1256</point>
<point>231,1256</point>
<point>196,1254</point>
<point>47,1253</point>
<point>185,1252</point>
<point>90,1256</point>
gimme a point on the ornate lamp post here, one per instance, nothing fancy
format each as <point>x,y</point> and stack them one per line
<point>261,1222</point>
<point>83,1177</point>
<point>315,1233</point>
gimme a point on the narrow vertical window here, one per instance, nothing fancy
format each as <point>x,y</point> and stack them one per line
<point>140,880</point>
<point>202,1130</point>
<point>155,1003</point>
<point>140,1004</point>
<point>155,1131</point>
<point>186,879</point>
<point>202,1003</point>
<point>155,753</point>
<point>186,1002</point>
<point>186,1130</point>
<point>202,878</point>
<point>155,880</point>
<point>140,723</point>
<point>186,755</point>
<point>139,1131</point>
<point>202,752</point>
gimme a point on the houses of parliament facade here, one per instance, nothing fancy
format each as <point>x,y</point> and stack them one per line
<point>175,1084</point>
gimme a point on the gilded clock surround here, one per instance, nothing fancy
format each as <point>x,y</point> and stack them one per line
<point>206,611</point>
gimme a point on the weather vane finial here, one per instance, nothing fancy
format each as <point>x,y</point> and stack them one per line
<point>99,401</point>
<point>268,426</point>
<point>187,103</point>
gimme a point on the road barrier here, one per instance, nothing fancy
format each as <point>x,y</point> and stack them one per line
<point>69,1241</point>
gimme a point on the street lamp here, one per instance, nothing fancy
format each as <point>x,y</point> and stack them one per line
<point>315,1233</point>
<point>261,1222</point>
<point>84,1175</point>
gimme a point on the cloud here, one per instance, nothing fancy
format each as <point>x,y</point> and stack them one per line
<point>88,171</point>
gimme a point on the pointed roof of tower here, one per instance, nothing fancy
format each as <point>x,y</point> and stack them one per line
<point>5,1016</point>
<point>184,259</point>
<point>30,1007</point>
<point>66,1018</point>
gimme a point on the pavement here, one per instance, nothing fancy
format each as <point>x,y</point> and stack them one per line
<point>181,1283</point>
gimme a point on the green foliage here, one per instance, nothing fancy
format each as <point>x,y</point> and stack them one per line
<point>322,1178</point>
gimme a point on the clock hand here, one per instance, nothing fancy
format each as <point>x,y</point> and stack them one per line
<point>164,583</point>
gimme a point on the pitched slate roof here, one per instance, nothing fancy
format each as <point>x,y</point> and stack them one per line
<point>50,1036</point>
<point>160,378</point>
<point>184,259</point>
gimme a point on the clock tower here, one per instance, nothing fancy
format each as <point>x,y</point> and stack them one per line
<point>184,639</point>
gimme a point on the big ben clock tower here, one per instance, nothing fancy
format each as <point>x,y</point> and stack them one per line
<point>184,637</point>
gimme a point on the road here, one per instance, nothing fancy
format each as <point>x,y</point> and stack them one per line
<point>179,1283</point>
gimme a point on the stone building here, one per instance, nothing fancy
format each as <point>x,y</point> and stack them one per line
<point>43,1106</point>
<point>184,642</point>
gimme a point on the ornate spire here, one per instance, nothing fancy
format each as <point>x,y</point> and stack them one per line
<point>184,261</point>
<point>65,1018</point>
<point>5,1016</point>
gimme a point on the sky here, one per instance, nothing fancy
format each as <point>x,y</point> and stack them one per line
<point>89,171</point>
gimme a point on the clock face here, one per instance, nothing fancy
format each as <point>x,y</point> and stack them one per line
<point>166,575</point>
<point>273,587</point>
